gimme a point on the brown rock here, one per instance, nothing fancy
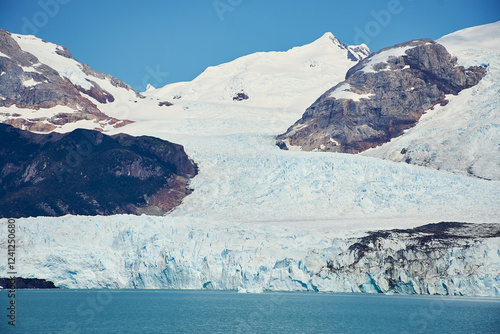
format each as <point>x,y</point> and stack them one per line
<point>396,94</point>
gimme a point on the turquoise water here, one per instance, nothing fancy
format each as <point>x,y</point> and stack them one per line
<point>168,311</point>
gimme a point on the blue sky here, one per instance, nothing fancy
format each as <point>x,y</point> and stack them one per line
<point>166,41</point>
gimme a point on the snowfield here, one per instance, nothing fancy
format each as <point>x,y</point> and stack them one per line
<point>265,219</point>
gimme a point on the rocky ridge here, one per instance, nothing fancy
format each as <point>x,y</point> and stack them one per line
<point>383,95</point>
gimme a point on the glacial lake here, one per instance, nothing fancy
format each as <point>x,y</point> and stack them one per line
<point>175,311</point>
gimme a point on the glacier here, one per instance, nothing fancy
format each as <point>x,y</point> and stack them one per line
<point>182,253</point>
<point>265,219</point>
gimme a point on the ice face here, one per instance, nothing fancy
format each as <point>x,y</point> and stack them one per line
<point>188,253</point>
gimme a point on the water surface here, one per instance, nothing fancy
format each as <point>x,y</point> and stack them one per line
<point>174,311</point>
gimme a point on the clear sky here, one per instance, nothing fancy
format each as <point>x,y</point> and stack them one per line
<point>164,41</point>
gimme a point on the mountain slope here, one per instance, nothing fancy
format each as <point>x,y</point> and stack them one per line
<point>382,96</point>
<point>86,172</point>
<point>463,136</point>
<point>243,176</point>
<point>42,87</point>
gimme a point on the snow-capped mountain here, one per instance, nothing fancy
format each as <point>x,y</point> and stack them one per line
<point>243,176</point>
<point>274,88</point>
<point>43,88</point>
<point>463,136</point>
<point>270,79</point>
<point>264,218</point>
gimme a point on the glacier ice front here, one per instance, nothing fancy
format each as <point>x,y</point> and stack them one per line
<point>179,253</point>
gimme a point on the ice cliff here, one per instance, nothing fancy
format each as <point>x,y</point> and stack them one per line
<point>175,253</point>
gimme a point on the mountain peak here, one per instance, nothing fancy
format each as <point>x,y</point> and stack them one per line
<point>269,79</point>
<point>377,111</point>
<point>354,52</point>
<point>330,38</point>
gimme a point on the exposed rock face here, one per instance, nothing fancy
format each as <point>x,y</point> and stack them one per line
<point>97,93</point>
<point>383,95</point>
<point>29,84</point>
<point>86,172</point>
<point>26,283</point>
<point>240,96</point>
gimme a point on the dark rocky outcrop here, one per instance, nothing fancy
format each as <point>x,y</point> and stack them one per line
<point>48,88</point>
<point>97,93</point>
<point>165,103</point>
<point>240,96</point>
<point>86,172</point>
<point>26,283</point>
<point>383,95</point>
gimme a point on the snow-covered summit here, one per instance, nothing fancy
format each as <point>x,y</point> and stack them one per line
<point>358,52</point>
<point>285,79</point>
